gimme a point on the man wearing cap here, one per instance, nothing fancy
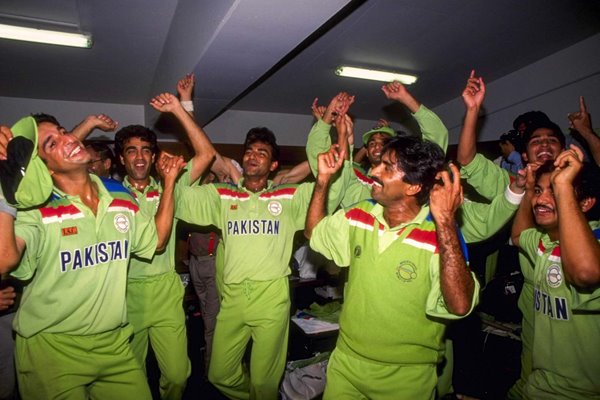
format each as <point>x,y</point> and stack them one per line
<point>72,333</point>
<point>478,221</point>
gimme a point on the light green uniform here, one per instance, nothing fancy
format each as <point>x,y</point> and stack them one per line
<point>489,179</point>
<point>257,239</point>
<point>394,316</point>
<point>566,339</point>
<point>477,221</point>
<point>155,302</point>
<point>72,332</point>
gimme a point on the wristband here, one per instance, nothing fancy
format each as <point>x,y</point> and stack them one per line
<point>187,105</point>
<point>512,197</point>
<point>5,208</point>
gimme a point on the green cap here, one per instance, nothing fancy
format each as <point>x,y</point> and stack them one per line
<point>26,181</point>
<point>386,130</point>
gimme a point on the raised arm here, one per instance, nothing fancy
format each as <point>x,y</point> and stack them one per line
<point>204,152</point>
<point>432,127</point>
<point>11,246</point>
<point>328,165</point>
<point>581,121</point>
<point>456,281</point>
<point>473,96</point>
<point>524,216</point>
<point>91,122</point>
<point>185,88</point>
<point>579,248</point>
<point>293,175</point>
<point>168,167</point>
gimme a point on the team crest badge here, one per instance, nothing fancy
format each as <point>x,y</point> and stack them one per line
<point>122,223</point>
<point>554,276</point>
<point>406,271</point>
<point>274,208</point>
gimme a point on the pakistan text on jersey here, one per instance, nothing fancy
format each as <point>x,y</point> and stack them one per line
<point>96,254</point>
<point>253,227</point>
<point>553,307</point>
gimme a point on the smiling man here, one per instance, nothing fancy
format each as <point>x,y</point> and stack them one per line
<point>551,228</point>
<point>407,273</point>
<point>258,221</point>
<point>73,239</point>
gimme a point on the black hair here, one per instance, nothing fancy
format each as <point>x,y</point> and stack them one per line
<point>419,159</point>
<point>514,138</point>
<point>529,118</point>
<point>132,131</point>
<point>101,148</point>
<point>263,135</point>
<point>42,117</point>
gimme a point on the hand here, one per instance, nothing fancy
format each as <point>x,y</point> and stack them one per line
<point>446,196</point>
<point>169,166</point>
<point>568,165</point>
<point>102,122</point>
<point>165,102</point>
<point>7,297</point>
<point>382,123</point>
<point>5,137</point>
<point>395,91</point>
<point>581,120</point>
<point>317,110</point>
<point>330,162</point>
<point>185,87</point>
<point>340,104</point>
<point>474,92</point>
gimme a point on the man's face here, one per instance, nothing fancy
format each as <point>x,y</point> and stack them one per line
<point>506,148</point>
<point>374,147</point>
<point>60,151</point>
<point>137,158</point>
<point>389,186</point>
<point>544,204</point>
<point>97,165</point>
<point>542,146</point>
<point>257,160</point>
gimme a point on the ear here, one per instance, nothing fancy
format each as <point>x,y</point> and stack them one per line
<point>107,163</point>
<point>587,204</point>
<point>121,159</point>
<point>274,166</point>
<point>413,190</point>
<point>524,157</point>
<point>153,157</point>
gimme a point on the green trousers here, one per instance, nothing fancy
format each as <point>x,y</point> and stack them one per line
<point>350,378</point>
<point>257,310</point>
<point>155,311</point>
<point>59,366</point>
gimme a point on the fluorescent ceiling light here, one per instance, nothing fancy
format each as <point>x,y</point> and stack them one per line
<point>45,36</point>
<point>384,76</point>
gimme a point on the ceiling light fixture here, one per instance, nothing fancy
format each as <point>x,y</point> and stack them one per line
<point>384,76</point>
<point>45,36</point>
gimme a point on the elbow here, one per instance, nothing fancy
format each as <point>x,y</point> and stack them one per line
<point>587,279</point>
<point>307,232</point>
<point>461,309</point>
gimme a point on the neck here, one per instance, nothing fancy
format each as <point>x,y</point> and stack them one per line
<point>139,184</point>
<point>81,185</point>
<point>255,184</point>
<point>401,213</point>
<point>553,234</point>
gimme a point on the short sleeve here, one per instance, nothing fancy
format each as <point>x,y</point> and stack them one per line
<point>331,238</point>
<point>27,227</point>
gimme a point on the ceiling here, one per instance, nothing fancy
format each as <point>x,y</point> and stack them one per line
<point>276,56</point>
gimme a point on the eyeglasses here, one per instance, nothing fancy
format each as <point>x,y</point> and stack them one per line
<point>99,159</point>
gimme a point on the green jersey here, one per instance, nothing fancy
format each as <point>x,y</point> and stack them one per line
<point>148,201</point>
<point>478,221</point>
<point>566,326</point>
<point>78,261</point>
<point>257,228</point>
<point>394,309</point>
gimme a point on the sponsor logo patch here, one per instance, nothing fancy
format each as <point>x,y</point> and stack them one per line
<point>71,230</point>
<point>406,271</point>
<point>121,223</point>
<point>274,208</point>
<point>554,276</point>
